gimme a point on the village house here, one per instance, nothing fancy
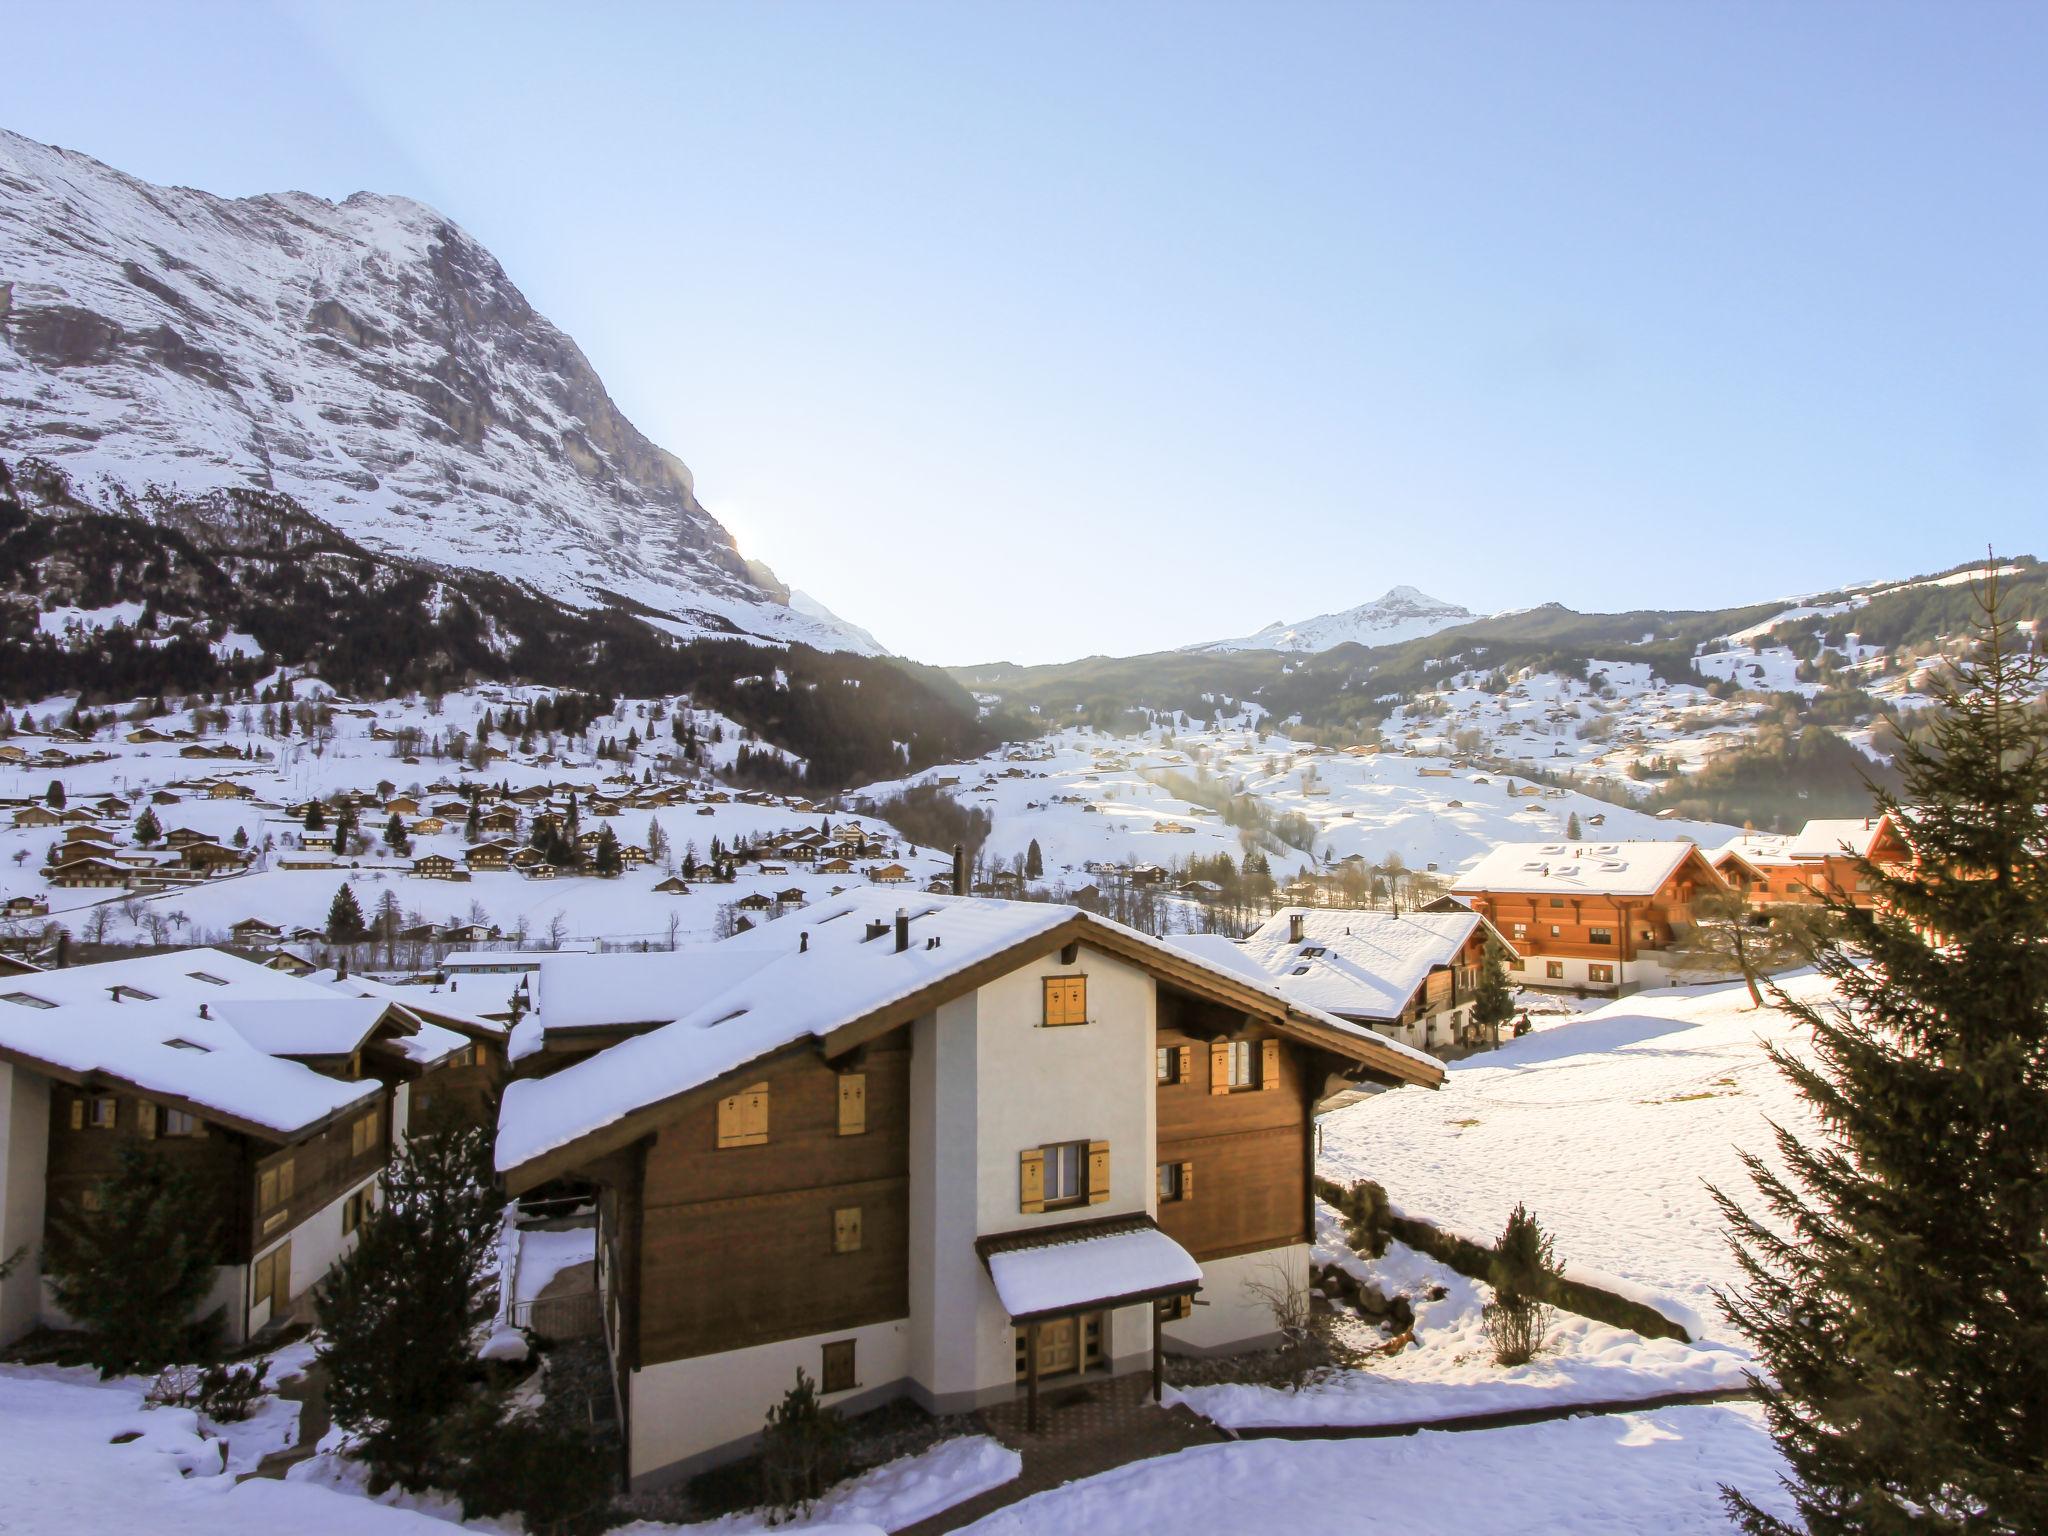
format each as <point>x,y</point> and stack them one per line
<point>273,1092</point>
<point>952,1150</point>
<point>27,906</point>
<point>1597,916</point>
<point>1828,852</point>
<point>438,866</point>
<point>1412,976</point>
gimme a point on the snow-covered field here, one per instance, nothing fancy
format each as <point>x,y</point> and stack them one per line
<point>1610,1128</point>
<point>1619,1475</point>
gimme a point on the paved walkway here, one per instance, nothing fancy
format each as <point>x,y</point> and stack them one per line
<point>1084,1429</point>
<point>309,1390</point>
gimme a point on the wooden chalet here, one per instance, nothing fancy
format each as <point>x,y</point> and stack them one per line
<point>958,1153</point>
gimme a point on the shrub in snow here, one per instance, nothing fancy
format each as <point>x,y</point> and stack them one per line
<point>546,1468</point>
<point>1367,1218</point>
<point>132,1271</point>
<point>802,1450</point>
<point>1524,1268</point>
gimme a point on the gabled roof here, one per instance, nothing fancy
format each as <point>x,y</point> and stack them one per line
<point>731,1005</point>
<point>1584,868</point>
<point>1756,849</point>
<point>1854,837</point>
<point>1355,964</point>
<point>156,1041</point>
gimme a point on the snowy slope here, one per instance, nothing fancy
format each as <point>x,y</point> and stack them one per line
<point>367,358</point>
<point>1403,613</point>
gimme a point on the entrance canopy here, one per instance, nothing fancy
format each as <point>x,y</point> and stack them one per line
<point>1085,1265</point>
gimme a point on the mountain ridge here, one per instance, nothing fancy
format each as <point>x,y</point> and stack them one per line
<point>1400,613</point>
<point>366,357</point>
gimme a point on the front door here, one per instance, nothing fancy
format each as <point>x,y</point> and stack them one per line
<point>1065,1345</point>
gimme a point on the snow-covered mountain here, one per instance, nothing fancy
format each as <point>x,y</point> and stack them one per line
<point>1402,614</point>
<point>368,359</point>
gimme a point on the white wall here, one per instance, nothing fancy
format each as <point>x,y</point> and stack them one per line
<point>946,1277</point>
<point>316,1243</point>
<point>685,1412</point>
<point>24,1160</point>
<point>1227,1315</point>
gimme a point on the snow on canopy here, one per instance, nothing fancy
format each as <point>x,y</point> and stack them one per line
<point>1352,963</point>
<point>1066,1275</point>
<point>722,1006</point>
<point>140,1021</point>
<point>1610,869</point>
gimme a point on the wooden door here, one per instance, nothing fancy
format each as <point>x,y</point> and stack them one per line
<point>1059,1346</point>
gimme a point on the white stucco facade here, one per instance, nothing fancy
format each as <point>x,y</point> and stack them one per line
<point>1230,1313</point>
<point>316,1243</point>
<point>24,1164</point>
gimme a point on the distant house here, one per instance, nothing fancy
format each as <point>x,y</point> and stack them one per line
<point>27,906</point>
<point>793,897</point>
<point>438,866</point>
<point>402,805</point>
<point>674,885</point>
<point>488,856</point>
<point>889,874</point>
<point>754,902</point>
<point>255,932</point>
<point>37,816</point>
<point>834,867</point>
<point>428,826</point>
<point>228,789</point>
<point>209,858</point>
<point>88,873</point>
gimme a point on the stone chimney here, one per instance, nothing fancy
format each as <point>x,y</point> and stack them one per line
<point>902,930</point>
<point>1296,921</point>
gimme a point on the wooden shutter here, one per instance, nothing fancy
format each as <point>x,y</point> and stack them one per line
<point>846,1229</point>
<point>1269,1065</point>
<point>1219,1066</point>
<point>1185,1069</point>
<point>1066,1000</point>
<point>77,1114</point>
<point>743,1117</point>
<point>1098,1172</point>
<point>266,1189</point>
<point>1187,1181</point>
<point>145,1118</point>
<point>853,1103</point>
<point>286,1175</point>
<point>1031,1182</point>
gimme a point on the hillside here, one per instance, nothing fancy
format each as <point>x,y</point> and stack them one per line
<point>367,359</point>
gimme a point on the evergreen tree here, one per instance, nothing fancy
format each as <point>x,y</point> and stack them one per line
<point>471,827</point>
<point>132,1271</point>
<point>1034,862</point>
<point>1571,828</point>
<point>344,826</point>
<point>1494,1003</point>
<point>54,795</point>
<point>345,917</point>
<point>316,816</point>
<point>605,858</point>
<point>147,828</point>
<point>394,830</point>
<point>397,1311</point>
<point>1893,1284</point>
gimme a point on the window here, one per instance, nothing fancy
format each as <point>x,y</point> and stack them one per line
<point>1168,1059</point>
<point>743,1117</point>
<point>362,1136</point>
<point>355,1210</point>
<point>1066,1173</point>
<point>1518,964</point>
<point>838,1374</point>
<point>1174,1308</point>
<point>846,1229</point>
<point>853,1103</point>
<point>1176,1182</point>
<point>210,980</point>
<point>1600,935</point>
<point>89,1198</point>
<point>145,1118</point>
<point>1241,1069</point>
<point>1521,930</point>
<point>1062,1174</point>
<point>136,993</point>
<point>1066,1000</point>
<point>1553,970</point>
<point>103,1112</point>
<point>187,1045</point>
<point>1599,973</point>
<point>25,1000</point>
<point>1557,901</point>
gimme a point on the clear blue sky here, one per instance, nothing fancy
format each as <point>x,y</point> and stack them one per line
<point>1031,331</point>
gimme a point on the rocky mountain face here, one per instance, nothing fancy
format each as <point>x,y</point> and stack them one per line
<point>1401,614</point>
<point>366,359</point>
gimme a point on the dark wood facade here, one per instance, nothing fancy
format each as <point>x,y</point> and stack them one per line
<point>1245,1153</point>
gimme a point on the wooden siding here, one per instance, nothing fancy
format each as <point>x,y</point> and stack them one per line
<point>1248,1149</point>
<point>324,1168</point>
<point>221,1160</point>
<point>736,1244</point>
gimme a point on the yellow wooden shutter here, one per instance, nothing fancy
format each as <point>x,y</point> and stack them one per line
<point>1031,1182</point>
<point>1185,1070</point>
<point>846,1229</point>
<point>266,1189</point>
<point>1098,1172</point>
<point>1187,1181</point>
<point>145,1118</point>
<point>78,1114</point>
<point>286,1174</point>
<point>1066,1000</point>
<point>1269,1065</point>
<point>853,1103</point>
<point>743,1117</point>
<point>1219,1066</point>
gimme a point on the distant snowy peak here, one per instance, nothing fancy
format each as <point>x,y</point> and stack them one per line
<point>368,359</point>
<point>1404,613</point>
<point>858,639</point>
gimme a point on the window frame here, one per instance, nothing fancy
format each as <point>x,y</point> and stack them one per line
<point>1553,970</point>
<point>1053,1153</point>
<point>839,1366</point>
<point>1244,1065</point>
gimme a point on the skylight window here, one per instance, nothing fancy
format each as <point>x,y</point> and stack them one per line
<point>1299,970</point>
<point>208,978</point>
<point>26,1000</point>
<point>187,1045</point>
<point>136,993</point>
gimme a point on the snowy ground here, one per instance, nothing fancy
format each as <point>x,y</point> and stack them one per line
<point>1617,1475</point>
<point>1610,1128</point>
<point>1448,1371</point>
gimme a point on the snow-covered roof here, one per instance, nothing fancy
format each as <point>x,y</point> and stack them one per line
<point>1355,964</point>
<point>717,1008</point>
<point>436,1001</point>
<point>1069,1272</point>
<point>314,1026</point>
<point>156,1039</point>
<point>1856,835</point>
<point>1754,848</point>
<point>1585,868</point>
